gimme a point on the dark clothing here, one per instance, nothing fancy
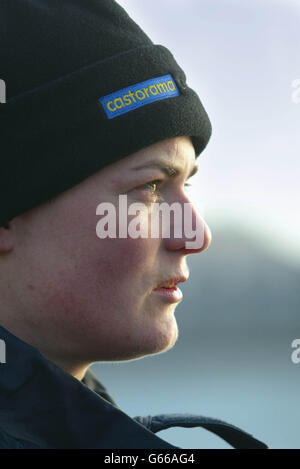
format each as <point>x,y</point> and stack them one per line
<point>42,406</point>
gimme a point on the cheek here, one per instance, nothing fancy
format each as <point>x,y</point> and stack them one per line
<point>109,274</point>
<point>122,262</point>
<point>104,293</point>
<point>88,280</point>
<point>119,259</point>
<point>115,259</point>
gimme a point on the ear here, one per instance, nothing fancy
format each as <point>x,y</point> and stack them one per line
<point>6,238</point>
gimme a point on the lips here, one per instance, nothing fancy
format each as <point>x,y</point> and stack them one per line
<point>168,292</point>
<point>171,282</point>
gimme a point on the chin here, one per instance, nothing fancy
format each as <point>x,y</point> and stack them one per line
<point>161,339</point>
<point>153,343</point>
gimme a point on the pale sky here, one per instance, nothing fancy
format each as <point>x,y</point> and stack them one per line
<point>241,57</point>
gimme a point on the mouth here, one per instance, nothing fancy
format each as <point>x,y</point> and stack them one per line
<point>168,290</point>
<point>171,283</point>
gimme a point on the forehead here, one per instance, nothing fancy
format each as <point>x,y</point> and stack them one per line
<point>173,150</point>
<point>177,151</point>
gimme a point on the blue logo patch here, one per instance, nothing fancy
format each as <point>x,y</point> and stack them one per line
<point>133,97</point>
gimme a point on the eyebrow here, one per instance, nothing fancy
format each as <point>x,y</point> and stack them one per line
<point>169,170</point>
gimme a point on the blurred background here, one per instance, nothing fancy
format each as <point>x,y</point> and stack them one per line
<point>241,306</point>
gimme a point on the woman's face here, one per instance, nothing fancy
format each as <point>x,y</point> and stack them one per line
<point>90,298</point>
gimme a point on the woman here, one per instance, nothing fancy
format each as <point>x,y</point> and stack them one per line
<point>97,112</point>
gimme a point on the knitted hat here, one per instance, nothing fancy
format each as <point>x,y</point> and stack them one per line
<point>85,87</point>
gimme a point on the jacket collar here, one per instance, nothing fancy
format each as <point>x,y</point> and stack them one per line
<point>45,406</point>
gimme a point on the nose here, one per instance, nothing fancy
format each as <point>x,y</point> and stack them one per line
<point>188,233</point>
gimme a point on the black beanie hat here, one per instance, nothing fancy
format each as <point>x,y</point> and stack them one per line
<point>85,87</point>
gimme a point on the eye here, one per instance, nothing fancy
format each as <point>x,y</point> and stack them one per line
<point>154,188</point>
<point>157,182</point>
<point>153,184</point>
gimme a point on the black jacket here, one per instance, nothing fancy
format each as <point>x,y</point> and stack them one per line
<point>41,406</point>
